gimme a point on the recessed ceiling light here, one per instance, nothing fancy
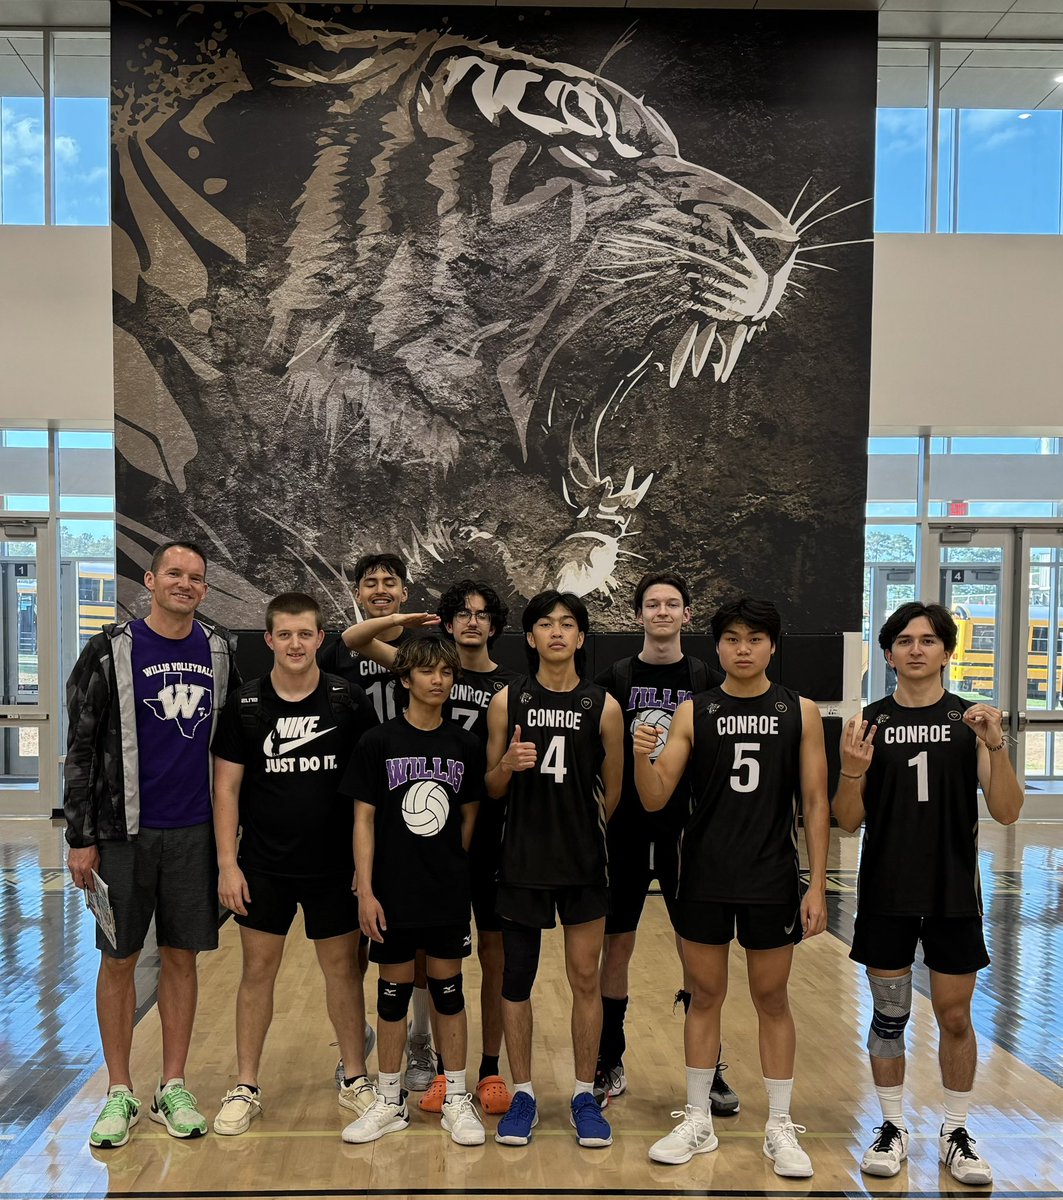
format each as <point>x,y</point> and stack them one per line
<point>1024,116</point>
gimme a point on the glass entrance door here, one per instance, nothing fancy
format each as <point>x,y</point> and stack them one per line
<point>889,585</point>
<point>1041,675</point>
<point>28,763</point>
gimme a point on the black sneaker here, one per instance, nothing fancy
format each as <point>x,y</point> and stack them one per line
<point>723,1100</point>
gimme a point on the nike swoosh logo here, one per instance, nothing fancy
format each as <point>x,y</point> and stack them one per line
<point>284,747</point>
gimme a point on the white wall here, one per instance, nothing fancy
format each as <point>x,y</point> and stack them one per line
<point>55,324</point>
<point>967,333</point>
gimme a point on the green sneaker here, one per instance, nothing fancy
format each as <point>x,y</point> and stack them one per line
<point>120,1114</point>
<point>175,1107</point>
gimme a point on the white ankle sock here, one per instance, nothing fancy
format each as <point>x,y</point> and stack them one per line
<point>699,1084</point>
<point>891,1101</point>
<point>779,1093</point>
<point>957,1105</point>
<point>455,1083</point>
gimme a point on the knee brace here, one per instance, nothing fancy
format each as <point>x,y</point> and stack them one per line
<point>521,947</point>
<point>393,1000</point>
<point>891,1000</point>
<point>447,995</point>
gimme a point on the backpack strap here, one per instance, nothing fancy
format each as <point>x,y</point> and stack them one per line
<point>339,695</point>
<point>620,684</point>
<point>699,674</point>
<point>249,699</point>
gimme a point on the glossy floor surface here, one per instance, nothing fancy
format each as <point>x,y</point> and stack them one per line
<point>51,1087</point>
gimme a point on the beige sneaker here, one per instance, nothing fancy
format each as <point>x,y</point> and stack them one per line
<point>358,1096</point>
<point>239,1108</point>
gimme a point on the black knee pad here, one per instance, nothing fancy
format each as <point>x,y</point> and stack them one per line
<point>393,1000</point>
<point>447,995</point>
<point>521,946</point>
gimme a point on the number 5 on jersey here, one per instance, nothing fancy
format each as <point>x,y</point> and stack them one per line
<point>746,768</point>
<point>553,763</point>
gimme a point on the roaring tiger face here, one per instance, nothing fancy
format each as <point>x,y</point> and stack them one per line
<point>489,254</point>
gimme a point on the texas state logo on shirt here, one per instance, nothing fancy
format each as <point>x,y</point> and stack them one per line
<point>180,699</point>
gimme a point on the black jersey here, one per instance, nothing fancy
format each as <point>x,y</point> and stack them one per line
<point>377,682</point>
<point>471,695</point>
<point>649,694</point>
<point>554,834</point>
<point>294,754</point>
<point>920,848</point>
<point>418,780</point>
<point>739,844</point>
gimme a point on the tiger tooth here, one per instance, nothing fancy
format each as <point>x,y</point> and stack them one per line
<point>732,352</point>
<point>682,351</point>
<point>702,346</point>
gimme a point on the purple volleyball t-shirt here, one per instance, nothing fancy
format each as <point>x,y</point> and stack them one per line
<point>173,686</point>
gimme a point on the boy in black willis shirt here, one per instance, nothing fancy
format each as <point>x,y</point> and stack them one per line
<point>911,766</point>
<point>417,782</point>
<point>751,747</point>
<point>281,748</point>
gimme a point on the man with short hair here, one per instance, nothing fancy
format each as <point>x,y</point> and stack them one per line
<point>473,615</point>
<point>417,782</point>
<point>555,752</point>
<point>143,700</point>
<point>910,770</point>
<point>280,751</point>
<point>644,846</point>
<point>752,747</point>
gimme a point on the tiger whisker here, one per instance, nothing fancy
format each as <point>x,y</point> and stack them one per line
<point>827,216</point>
<point>799,266</point>
<point>789,215</point>
<point>809,211</point>
<point>831,245</point>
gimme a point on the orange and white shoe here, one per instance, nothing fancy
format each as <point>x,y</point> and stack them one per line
<point>436,1093</point>
<point>493,1095</point>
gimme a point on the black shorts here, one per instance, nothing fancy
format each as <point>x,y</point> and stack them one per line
<point>437,941</point>
<point>760,926</point>
<point>634,863</point>
<point>171,874</point>
<point>951,945</point>
<point>329,907</point>
<point>534,907</point>
<point>483,888</point>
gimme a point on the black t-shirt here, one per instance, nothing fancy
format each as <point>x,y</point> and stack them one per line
<point>920,848</point>
<point>554,834</point>
<point>649,693</point>
<point>467,707</point>
<point>294,820</point>
<point>378,683</point>
<point>739,844</point>
<point>418,781</point>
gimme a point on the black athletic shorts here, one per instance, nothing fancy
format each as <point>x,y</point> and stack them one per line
<point>437,941</point>
<point>535,907</point>
<point>951,945</point>
<point>633,864</point>
<point>760,926</point>
<point>483,887</point>
<point>329,907</point>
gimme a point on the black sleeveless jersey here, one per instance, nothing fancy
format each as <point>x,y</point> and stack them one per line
<point>470,697</point>
<point>920,848</point>
<point>555,816</point>
<point>739,844</point>
<point>380,684</point>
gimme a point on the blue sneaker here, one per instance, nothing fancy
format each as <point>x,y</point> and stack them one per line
<point>514,1128</point>
<point>592,1129</point>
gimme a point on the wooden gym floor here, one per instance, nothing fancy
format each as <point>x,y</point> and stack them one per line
<point>51,1086</point>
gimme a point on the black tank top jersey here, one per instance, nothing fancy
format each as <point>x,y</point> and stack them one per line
<point>382,686</point>
<point>920,848</point>
<point>739,844</point>
<point>555,816</point>
<point>472,694</point>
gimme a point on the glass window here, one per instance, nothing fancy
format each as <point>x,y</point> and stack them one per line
<point>901,140</point>
<point>889,543</point>
<point>24,470</point>
<point>22,129</point>
<point>82,137</point>
<point>86,471</point>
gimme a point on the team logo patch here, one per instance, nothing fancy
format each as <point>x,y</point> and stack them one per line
<point>954,715</point>
<point>498,685</point>
<point>780,707</point>
<point>586,702</point>
<point>714,707</point>
<point>525,698</point>
<point>425,808</point>
<point>882,718</point>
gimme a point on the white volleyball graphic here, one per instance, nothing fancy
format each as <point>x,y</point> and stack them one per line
<point>425,808</point>
<point>659,719</point>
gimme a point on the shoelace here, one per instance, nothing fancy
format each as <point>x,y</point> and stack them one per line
<point>248,1098</point>
<point>463,1107</point>
<point>687,1114</point>
<point>118,1105</point>
<point>789,1131</point>
<point>177,1097</point>
<point>521,1105</point>
<point>960,1143</point>
<point>888,1133</point>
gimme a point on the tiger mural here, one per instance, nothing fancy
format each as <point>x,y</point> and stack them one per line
<point>448,369</point>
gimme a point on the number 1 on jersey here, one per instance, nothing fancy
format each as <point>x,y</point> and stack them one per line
<point>921,781</point>
<point>554,759</point>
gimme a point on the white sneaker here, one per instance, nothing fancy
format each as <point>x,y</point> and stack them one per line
<point>693,1135</point>
<point>359,1097</point>
<point>784,1150</point>
<point>461,1122</point>
<point>379,1119</point>
<point>239,1108</point>
<point>956,1152</point>
<point>420,1064</point>
<point>886,1153</point>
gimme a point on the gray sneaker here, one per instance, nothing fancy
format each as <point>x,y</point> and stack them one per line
<point>370,1045</point>
<point>420,1064</point>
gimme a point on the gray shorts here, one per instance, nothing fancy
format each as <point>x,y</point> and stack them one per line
<point>171,874</point>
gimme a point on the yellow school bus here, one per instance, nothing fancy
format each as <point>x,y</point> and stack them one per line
<point>96,598</point>
<point>972,666</point>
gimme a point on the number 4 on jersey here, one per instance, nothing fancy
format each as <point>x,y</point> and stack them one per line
<point>554,759</point>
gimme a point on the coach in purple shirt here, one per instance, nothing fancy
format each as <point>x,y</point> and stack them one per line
<point>143,699</point>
